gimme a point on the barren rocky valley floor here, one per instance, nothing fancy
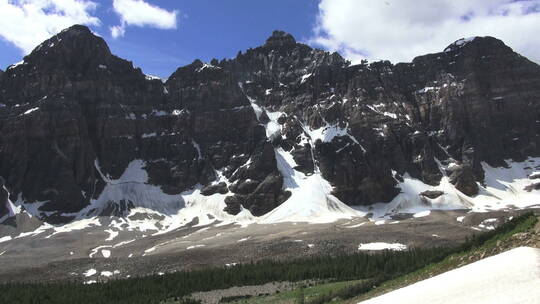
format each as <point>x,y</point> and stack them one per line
<point>92,253</point>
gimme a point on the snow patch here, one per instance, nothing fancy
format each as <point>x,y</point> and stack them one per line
<point>382,246</point>
<point>112,234</point>
<point>459,44</point>
<point>305,77</point>
<point>511,277</point>
<point>311,199</point>
<point>422,214</point>
<point>15,65</point>
<point>152,77</point>
<point>90,272</point>
<point>328,133</point>
<point>207,66</point>
<point>98,249</point>
<point>30,110</point>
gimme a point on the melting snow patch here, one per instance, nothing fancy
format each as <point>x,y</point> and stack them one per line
<point>195,246</point>
<point>427,89</point>
<point>422,214</point>
<point>305,77</point>
<point>123,243</point>
<point>207,66</point>
<point>31,110</point>
<point>511,277</point>
<point>150,250</point>
<point>112,234</point>
<point>459,43</point>
<point>106,253</point>
<point>328,133</point>
<point>75,225</point>
<point>311,199</point>
<point>90,272</point>
<point>5,238</point>
<point>505,186</point>
<point>382,246</point>
<point>97,249</point>
<point>152,77</point>
<point>410,200</point>
<point>356,226</point>
<point>460,219</point>
<point>16,64</point>
<point>488,224</point>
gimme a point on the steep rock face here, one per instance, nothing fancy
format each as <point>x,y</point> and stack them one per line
<point>77,123</point>
<point>452,109</point>
<point>76,117</point>
<point>226,129</point>
<point>69,109</point>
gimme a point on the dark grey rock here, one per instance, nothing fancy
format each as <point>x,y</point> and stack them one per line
<point>432,194</point>
<point>464,181</point>
<point>220,188</point>
<point>72,105</point>
<point>531,187</point>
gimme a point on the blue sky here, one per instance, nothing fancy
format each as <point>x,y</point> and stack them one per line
<point>161,35</point>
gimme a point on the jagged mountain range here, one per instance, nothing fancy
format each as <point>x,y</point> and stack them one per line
<point>280,129</point>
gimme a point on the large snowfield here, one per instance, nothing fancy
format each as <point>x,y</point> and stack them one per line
<point>507,278</point>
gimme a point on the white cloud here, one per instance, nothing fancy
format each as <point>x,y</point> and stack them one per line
<point>117,31</point>
<point>399,30</point>
<point>26,23</point>
<point>140,13</point>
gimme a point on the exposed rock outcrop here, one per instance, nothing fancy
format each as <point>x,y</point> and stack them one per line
<point>74,118</point>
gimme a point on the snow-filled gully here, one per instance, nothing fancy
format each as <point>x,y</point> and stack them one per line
<point>311,197</point>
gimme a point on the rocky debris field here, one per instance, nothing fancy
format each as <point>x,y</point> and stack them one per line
<point>85,256</point>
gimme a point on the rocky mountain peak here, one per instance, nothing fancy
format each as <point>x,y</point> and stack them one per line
<point>280,39</point>
<point>74,42</point>
<point>81,121</point>
<point>195,72</point>
<point>73,60</point>
<point>476,43</point>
